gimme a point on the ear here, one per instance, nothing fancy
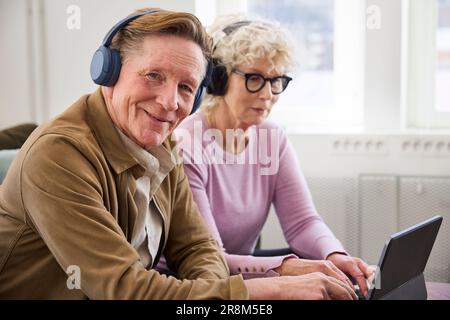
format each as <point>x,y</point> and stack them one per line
<point>107,92</point>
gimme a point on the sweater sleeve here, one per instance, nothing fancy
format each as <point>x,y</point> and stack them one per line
<point>247,265</point>
<point>305,231</point>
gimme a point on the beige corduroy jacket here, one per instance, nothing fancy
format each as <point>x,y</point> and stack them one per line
<point>66,205</point>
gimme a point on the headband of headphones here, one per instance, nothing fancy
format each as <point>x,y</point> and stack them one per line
<point>234,26</point>
<point>219,77</point>
<point>106,62</point>
<point>122,23</point>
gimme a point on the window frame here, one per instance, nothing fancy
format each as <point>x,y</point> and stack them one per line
<point>395,79</point>
<point>346,111</point>
<point>420,73</point>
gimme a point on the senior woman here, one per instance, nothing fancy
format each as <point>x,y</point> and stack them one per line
<point>239,163</point>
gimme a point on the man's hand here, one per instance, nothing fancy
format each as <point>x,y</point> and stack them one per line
<point>298,267</point>
<point>354,267</point>
<point>312,286</point>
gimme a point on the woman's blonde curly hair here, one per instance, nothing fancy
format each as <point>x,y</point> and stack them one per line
<point>247,43</point>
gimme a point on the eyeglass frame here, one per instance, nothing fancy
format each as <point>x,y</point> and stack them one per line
<point>248,75</point>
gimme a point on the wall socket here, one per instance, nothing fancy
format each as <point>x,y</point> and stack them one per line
<point>425,147</point>
<point>359,146</point>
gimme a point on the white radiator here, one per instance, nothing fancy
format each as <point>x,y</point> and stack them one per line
<point>364,211</point>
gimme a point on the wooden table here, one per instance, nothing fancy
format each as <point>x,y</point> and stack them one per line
<point>438,291</point>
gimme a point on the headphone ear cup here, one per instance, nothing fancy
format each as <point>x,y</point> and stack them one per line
<point>205,83</point>
<point>99,65</point>
<point>116,65</point>
<point>219,80</point>
<point>198,99</point>
<point>105,66</point>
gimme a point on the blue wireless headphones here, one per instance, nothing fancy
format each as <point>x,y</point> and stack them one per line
<point>219,77</point>
<point>106,62</point>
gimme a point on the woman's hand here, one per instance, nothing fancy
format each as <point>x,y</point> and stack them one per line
<point>354,267</point>
<point>296,267</point>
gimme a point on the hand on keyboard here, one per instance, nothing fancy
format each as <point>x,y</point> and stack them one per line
<point>359,293</point>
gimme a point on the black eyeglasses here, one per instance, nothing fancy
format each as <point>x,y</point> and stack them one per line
<point>254,82</point>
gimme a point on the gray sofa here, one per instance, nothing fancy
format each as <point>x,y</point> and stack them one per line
<point>6,157</point>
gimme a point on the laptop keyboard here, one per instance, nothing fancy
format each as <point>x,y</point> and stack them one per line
<point>359,294</point>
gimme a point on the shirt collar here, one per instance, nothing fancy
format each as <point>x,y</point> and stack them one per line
<point>155,160</point>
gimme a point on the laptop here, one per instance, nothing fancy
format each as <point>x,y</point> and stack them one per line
<point>399,274</point>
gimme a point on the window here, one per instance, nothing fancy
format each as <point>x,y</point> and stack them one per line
<point>354,76</point>
<point>427,71</point>
<point>313,22</point>
<point>442,77</point>
<point>316,98</point>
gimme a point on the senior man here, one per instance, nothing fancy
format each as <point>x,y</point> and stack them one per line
<point>96,195</point>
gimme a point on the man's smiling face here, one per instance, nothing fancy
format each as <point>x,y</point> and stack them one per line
<point>156,88</point>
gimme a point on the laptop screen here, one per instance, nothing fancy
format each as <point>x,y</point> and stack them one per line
<point>403,261</point>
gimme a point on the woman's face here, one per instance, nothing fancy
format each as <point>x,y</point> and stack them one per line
<point>247,108</point>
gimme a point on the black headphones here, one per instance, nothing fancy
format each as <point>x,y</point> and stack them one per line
<point>106,62</point>
<point>219,76</point>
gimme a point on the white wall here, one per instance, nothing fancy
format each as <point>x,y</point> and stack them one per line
<point>347,156</point>
<point>368,186</point>
<point>45,66</point>
<point>69,52</point>
<point>15,100</point>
